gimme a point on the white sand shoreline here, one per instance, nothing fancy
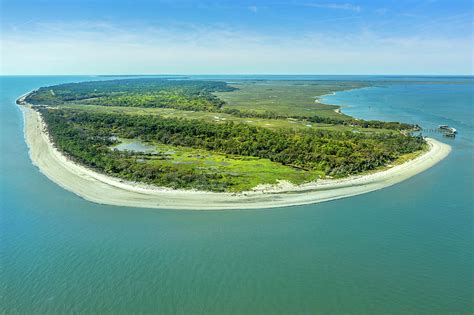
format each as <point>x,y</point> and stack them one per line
<point>104,189</point>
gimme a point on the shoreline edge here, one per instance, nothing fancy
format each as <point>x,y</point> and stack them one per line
<point>104,189</point>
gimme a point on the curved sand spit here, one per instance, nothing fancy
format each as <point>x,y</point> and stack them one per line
<point>112,191</point>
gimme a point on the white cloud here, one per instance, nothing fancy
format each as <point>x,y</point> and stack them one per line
<point>253,8</point>
<point>336,6</point>
<point>101,48</point>
<point>381,11</point>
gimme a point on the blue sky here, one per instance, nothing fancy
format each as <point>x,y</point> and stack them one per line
<point>236,37</point>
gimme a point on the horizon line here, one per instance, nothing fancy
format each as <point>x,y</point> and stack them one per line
<point>238,74</point>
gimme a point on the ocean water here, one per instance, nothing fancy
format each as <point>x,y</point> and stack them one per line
<point>404,249</point>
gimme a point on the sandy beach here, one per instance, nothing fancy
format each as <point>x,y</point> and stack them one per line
<point>104,189</point>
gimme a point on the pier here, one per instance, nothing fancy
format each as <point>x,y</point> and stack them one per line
<point>446,130</point>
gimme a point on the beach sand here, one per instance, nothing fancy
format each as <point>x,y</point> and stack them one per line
<point>104,189</point>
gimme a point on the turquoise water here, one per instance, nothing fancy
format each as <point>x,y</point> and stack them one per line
<point>404,249</point>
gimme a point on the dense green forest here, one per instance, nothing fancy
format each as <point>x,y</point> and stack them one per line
<point>392,125</point>
<point>179,94</point>
<point>87,136</point>
<point>297,154</point>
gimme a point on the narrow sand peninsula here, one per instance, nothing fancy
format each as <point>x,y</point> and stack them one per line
<point>112,191</point>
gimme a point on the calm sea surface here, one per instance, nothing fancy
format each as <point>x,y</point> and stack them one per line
<point>403,249</point>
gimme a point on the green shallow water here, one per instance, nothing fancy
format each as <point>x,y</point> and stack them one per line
<point>404,249</point>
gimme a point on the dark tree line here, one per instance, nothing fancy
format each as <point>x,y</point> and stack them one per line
<point>86,137</point>
<point>347,121</point>
<point>191,95</point>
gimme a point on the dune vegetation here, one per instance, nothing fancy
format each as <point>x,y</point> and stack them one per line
<point>210,135</point>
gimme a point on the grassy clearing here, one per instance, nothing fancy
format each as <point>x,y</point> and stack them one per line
<point>182,165</point>
<point>241,172</point>
<point>273,124</point>
<point>287,97</point>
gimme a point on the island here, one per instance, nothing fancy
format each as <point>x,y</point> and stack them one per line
<point>209,144</point>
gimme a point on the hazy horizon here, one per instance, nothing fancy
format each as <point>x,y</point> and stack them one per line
<point>245,74</point>
<point>237,37</point>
